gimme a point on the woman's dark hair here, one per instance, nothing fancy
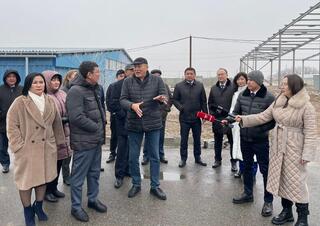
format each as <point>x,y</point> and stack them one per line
<point>29,80</point>
<point>235,84</point>
<point>295,85</point>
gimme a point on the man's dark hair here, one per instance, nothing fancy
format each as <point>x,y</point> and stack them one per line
<point>29,80</point>
<point>235,84</point>
<point>190,69</point>
<point>223,69</point>
<point>86,67</point>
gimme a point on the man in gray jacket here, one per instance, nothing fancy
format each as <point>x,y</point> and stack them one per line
<point>141,96</point>
<point>87,134</point>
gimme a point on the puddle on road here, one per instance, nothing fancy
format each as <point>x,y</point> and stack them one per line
<point>166,176</point>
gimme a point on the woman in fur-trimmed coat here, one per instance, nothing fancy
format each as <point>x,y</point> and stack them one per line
<point>293,145</point>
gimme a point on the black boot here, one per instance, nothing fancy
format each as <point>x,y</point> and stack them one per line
<point>303,212</point>
<point>29,216</point>
<point>37,207</point>
<point>283,217</point>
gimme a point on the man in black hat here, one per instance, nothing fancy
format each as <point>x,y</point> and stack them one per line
<point>165,109</point>
<point>9,91</point>
<point>113,140</point>
<point>141,95</point>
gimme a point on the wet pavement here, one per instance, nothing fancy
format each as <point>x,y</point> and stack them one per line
<point>196,195</point>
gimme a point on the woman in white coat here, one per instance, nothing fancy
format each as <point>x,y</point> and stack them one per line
<point>240,84</point>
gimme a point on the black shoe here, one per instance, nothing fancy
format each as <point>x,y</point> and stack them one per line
<point>50,197</point>
<point>182,163</point>
<point>303,212</point>
<point>145,161</point>
<point>29,216</point>
<point>285,216</point>
<point>134,191</point>
<point>267,209</point>
<point>157,192</point>
<point>216,164</point>
<point>80,215</point>
<point>237,174</point>
<point>37,208</point>
<point>111,159</point>
<point>66,181</point>
<point>98,206</point>
<point>163,160</point>
<point>101,169</point>
<point>199,162</point>
<point>5,169</point>
<point>243,198</point>
<point>234,167</point>
<point>118,183</point>
<point>58,194</point>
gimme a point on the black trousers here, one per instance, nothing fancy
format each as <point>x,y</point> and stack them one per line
<point>122,161</point>
<point>218,142</point>
<point>196,133</point>
<point>261,150</point>
<point>52,186</point>
<point>114,136</point>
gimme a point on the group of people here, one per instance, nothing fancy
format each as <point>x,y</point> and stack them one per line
<point>50,119</point>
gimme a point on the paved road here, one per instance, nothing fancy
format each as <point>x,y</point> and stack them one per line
<point>196,196</point>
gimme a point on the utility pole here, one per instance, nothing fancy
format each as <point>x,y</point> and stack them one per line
<point>190,51</point>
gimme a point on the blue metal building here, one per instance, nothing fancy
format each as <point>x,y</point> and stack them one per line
<point>27,60</point>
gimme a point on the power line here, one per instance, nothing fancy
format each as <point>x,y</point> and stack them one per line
<point>253,41</point>
<point>155,45</point>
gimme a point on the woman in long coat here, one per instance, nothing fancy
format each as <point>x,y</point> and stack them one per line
<point>293,145</point>
<point>53,82</point>
<point>34,130</point>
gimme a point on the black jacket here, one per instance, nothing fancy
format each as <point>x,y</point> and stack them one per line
<point>115,107</point>
<point>108,96</point>
<point>220,97</point>
<point>86,115</point>
<point>247,105</point>
<point>134,91</point>
<point>166,108</point>
<point>7,96</point>
<point>189,99</point>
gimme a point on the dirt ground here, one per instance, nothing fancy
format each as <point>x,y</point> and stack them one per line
<point>173,128</point>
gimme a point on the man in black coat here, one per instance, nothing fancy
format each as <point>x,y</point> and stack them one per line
<point>189,97</point>
<point>141,96</point>
<point>255,140</point>
<point>9,91</point>
<point>221,96</point>
<point>113,127</point>
<point>121,168</point>
<point>87,134</point>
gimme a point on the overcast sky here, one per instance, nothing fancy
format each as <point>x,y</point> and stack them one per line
<point>129,24</point>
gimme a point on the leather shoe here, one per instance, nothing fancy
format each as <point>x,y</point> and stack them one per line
<point>111,159</point>
<point>134,191</point>
<point>243,198</point>
<point>283,217</point>
<point>50,198</point>
<point>80,215</point>
<point>5,169</point>
<point>98,206</point>
<point>163,160</point>
<point>58,194</point>
<point>182,163</point>
<point>199,162</point>
<point>145,161</point>
<point>267,209</point>
<point>157,192</point>
<point>118,183</point>
<point>216,164</point>
<point>234,167</point>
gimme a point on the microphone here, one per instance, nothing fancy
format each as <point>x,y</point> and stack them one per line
<point>211,118</point>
